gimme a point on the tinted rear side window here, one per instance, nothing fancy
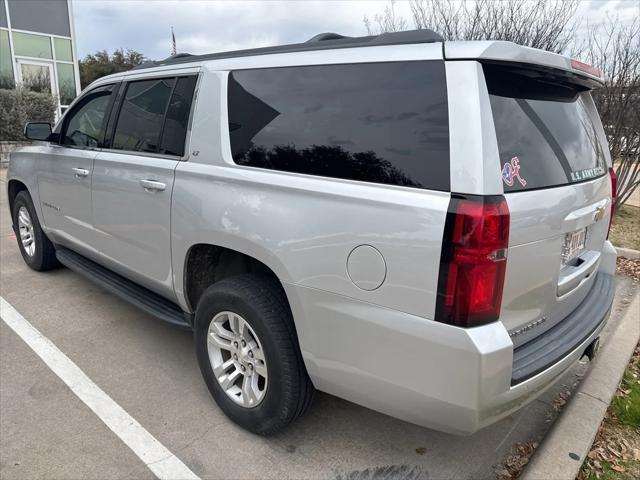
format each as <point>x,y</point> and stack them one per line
<point>175,126</point>
<point>380,122</point>
<point>547,134</point>
<point>142,115</point>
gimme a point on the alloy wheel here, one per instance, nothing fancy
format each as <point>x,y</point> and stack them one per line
<point>25,227</point>
<point>237,359</point>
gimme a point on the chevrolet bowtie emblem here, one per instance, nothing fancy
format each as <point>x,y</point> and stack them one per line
<point>599,215</point>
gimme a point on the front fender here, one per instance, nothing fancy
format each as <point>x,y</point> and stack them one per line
<point>23,167</point>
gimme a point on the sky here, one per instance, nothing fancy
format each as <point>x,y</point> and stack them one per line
<point>205,26</point>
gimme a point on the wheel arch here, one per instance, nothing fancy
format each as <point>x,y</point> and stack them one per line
<point>13,188</point>
<point>207,263</point>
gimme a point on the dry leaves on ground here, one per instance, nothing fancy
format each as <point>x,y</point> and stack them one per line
<point>629,267</point>
<point>512,466</point>
<point>613,446</point>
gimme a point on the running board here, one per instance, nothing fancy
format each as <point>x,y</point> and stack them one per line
<point>144,299</point>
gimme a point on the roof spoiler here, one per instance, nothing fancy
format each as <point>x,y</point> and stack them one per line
<point>501,51</point>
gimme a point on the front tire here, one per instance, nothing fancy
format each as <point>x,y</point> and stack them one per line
<point>37,250</point>
<point>248,353</point>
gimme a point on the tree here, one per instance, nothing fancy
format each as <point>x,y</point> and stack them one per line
<point>388,21</point>
<point>551,25</point>
<point>545,24</point>
<point>101,63</point>
<point>615,48</point>
<point>19,106</point>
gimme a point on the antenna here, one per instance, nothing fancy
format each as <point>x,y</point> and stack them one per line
<point>173,42</point>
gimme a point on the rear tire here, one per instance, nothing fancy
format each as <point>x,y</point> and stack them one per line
<point>37,250</point>
<point>261,304</point>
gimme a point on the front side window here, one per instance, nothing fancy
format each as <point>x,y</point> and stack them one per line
<point>376,122</point>
<point>142,115</point>
<point>85,124</point>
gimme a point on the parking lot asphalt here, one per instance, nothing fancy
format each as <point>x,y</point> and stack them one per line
<point>149,369</point>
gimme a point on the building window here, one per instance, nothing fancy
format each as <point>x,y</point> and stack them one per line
<point>37,50</point>
<point>66,83</point>
<point>6,67</point>
<point>36,77</point>
<point>29,45</point>
<point>62,47</point>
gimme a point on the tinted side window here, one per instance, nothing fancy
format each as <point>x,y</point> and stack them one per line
<point>142,115</point>
<point>175,126</point>
<point>379,122</point>
<point>85,124</point>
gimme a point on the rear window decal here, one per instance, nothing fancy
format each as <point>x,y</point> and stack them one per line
<point>510,171</point>
<point>587,174</point>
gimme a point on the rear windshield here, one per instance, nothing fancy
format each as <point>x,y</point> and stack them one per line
<point>373,122</point>
<point>546,132</point>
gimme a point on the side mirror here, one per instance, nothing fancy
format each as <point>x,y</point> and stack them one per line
<point>37,131</point>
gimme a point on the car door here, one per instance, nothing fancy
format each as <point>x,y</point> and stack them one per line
<point>64,176</point>
<point>133,179</point>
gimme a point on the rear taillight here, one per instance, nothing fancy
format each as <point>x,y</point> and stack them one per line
<point>614,195</point>
<point>473,260</point>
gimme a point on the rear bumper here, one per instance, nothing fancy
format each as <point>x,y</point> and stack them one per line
<point>537,364</point>
<point>438,376</point>
<point>559,341</point>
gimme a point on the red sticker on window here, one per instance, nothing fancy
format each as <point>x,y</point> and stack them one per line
<point>511,171</point>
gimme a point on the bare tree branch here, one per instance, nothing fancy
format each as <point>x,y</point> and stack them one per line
<point>615,48</point>
<point>388,21</point>
<point>545,24</point>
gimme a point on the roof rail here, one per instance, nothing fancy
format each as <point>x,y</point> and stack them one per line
<point>424,35</point>
<point>326,36</point>
<point>154,63</point>
<point>322,41</point>
<point>180,55</point>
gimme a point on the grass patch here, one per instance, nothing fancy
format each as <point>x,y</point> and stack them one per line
<point>625,231</point>
<point>620,471</point>
<point>627,408</point>
<point>615,453</point>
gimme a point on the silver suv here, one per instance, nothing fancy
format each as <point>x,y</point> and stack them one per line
<point>414,225</point>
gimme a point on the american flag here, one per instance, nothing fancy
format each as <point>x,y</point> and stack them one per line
<point>173,43</point>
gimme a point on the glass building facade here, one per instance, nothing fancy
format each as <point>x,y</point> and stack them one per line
<point>37,48</point>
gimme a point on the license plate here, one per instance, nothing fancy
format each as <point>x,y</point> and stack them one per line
<point>574,243</point>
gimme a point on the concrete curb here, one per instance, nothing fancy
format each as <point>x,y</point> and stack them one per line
<point>628,252</point>
<point>562,452</point>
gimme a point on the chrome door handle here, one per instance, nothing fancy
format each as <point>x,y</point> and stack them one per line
<point>152,185</point>
<point>80,172</point>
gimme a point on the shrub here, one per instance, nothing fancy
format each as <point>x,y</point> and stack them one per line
<point>19,106</point>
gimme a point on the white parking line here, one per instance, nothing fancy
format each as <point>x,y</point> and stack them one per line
<point>163,463</point>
